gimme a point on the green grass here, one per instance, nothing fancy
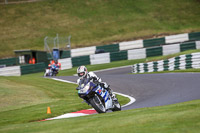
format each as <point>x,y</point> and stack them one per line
<point>176,118</point>
<point>89,22</point>
<point>26,98</point>
<point>24,101</point>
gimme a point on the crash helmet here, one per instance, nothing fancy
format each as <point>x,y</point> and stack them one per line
<point>82,71</point>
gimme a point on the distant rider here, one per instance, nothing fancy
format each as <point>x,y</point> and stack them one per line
<point>55,66</point>
<point>83,73</point>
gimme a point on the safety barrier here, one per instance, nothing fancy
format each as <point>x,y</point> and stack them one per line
<point>83,51</point>
<point>130,50</point>
<point>65,63</point>
<point>130,45</point>
<point>177,38</point>
<point>100,58</point>
<point>10,71</point>
<point>32,68</point>
<point>129,54</point>
<point>9,61</point>
<point>146,43</point>
<point>81,60</point>
<point>180,62</point>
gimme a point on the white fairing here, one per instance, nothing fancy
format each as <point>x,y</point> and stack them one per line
<point>47,72</point>
<point>106,96</point>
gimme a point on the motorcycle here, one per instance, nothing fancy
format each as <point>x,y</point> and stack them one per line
<point>97,96</point>
<point>51,71</point>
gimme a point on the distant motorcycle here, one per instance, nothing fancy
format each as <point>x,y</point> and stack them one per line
<point>51,71</point>
<point>97,96</point>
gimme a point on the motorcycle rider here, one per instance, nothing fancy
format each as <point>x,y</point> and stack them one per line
<point>57,64</point>
<point>83,73</point>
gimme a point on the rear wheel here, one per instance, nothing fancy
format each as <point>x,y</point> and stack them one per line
<point>97,104</point>
<point>54,73</point>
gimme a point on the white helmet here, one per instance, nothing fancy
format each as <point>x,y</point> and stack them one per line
<point>82,71</point>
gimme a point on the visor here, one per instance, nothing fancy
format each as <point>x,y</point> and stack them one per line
<point>81,74</point>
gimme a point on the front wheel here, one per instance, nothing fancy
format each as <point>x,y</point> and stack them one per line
<point>97,104</point>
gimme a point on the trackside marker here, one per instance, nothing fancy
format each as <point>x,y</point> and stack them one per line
<point>48,110</point>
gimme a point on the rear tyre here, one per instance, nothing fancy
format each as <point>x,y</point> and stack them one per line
<point>97,104</point>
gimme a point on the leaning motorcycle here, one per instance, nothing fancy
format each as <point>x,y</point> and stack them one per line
<point>51,71</point>
<point>97,96</point>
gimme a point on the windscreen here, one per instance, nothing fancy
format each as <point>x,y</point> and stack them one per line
<point>83,82</point>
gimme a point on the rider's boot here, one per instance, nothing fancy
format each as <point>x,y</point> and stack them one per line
<point>112,94</point>
<point>110,91</point>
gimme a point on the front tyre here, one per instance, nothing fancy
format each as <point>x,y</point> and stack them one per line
<point>97,104</point>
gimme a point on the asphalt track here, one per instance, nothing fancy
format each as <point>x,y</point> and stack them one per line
<point>150,90</point>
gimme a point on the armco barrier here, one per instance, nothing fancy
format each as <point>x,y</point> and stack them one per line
<point>146,43</point>
<point>156,51</point>
<point>194,36</point>
<point>82,60</point>
<point>131,54</point>
<point>83,51</point>
<point>116,56</point>
<point>137,54</point>
<point>188,46</point>
<point>197,44</point>
<point>171,49</point>
<point>9,61</point>
<point>109,48</point>
<point>130,45</point>
<point>10,71</point>
<point>100,58</point>
<point>65,63</point>
<point>176,38</point>
<point>65,54</point>
<point>32,68</point>
<point>175,63</point>
<point>153,42</point>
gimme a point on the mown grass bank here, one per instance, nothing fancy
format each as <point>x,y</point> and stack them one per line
<point>177,118</point>
<point>26,98</point>
<point>89,22</point>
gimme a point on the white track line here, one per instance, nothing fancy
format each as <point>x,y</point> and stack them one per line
<point>112,68</point>
<point>108,69</point>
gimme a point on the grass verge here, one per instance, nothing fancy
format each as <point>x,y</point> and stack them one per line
<point>176,118</point>
<point>26,98</point>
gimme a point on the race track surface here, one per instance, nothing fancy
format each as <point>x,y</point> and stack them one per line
<point>150,89</point>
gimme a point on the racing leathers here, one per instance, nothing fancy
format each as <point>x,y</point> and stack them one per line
<point>92,76</point>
